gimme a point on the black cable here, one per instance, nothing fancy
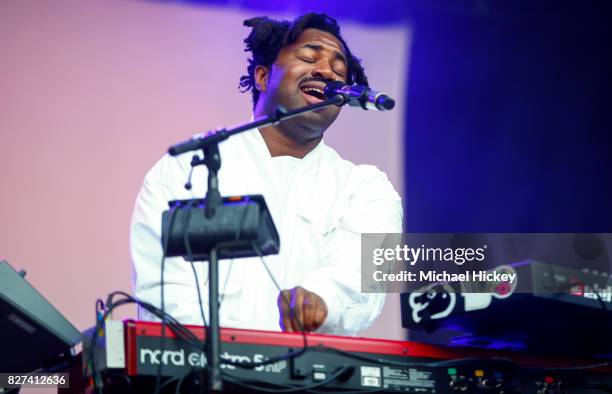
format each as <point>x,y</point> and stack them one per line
<point>94,337</point>
<point>168,383</point>
<point>240,382</point>
<point>197,283</point>
<point>99,313</point>
<point>99,305</point>
<point>471,360</point>
<point>185,334</point>
<point>284,357</point>
<point>236,238</point>
<point>177,389</point>
<point>602,303</point>
<point>165,243</point>
<point>272,360</point>
<point>181,331</point>
<point>287,302</point>
<point>593,385</point>
<point>434,364</point>
<point>364,391</point>
<point>190,258</point>
<point>285,299</point>
<point>575,368</point>
<point>97,385</point>
<point>606,312</point>
<point>291,313</point>
<point>189,251</point>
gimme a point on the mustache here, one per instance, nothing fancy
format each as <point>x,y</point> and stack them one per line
<point>316,79</point>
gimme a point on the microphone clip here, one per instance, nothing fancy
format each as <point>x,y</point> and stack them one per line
<point>359,96</point>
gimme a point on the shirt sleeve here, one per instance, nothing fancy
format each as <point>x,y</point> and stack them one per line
<point>180,295</point>
<point>374,208</point>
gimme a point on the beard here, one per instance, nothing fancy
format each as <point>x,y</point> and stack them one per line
<point>305,127</point>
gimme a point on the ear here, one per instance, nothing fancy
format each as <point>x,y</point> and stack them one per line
<point>262,75</point>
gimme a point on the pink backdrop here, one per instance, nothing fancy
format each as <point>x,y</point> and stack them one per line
<point>93,92</point>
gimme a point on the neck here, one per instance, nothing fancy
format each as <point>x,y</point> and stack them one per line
<point>280,145</point>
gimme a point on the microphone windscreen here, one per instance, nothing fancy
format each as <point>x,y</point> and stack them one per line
<point>331,88</point>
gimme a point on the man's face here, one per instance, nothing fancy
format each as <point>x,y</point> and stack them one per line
<point>298,78</point>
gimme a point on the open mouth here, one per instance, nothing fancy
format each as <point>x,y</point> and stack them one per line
<point>313,94</point>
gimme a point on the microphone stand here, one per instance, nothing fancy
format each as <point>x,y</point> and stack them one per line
<point>209,144</point>
<point>215,136</point>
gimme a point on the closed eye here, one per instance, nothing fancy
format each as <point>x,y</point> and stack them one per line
<point>307,60</point>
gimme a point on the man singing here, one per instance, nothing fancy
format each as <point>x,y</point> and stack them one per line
<point>319,202</point>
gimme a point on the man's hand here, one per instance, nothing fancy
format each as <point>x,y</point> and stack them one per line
<point>301,309</point>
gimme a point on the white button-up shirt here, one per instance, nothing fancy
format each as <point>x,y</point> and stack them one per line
<point>320,210</point>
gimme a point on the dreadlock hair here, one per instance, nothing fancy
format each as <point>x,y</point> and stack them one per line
<point>269,36</point>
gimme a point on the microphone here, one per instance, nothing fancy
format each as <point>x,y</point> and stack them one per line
<point>359,96</point>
